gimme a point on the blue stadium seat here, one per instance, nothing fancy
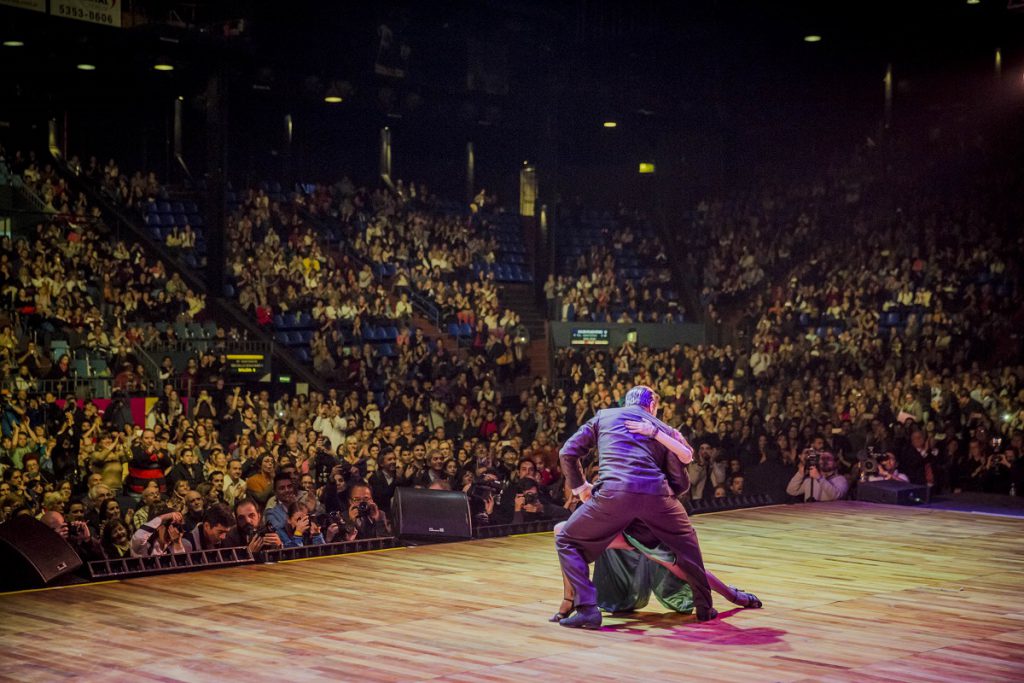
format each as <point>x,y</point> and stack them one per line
<point>163,207</point>
<point>453,329</point>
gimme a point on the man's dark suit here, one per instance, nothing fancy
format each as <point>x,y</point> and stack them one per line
<point>639,479</point>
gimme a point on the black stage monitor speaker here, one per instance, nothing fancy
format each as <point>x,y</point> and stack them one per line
<point>426,515</point>
<point>892,492</point>
<point>33,555</point>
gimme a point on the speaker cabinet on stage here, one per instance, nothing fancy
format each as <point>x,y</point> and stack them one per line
<point>426,515</point>
<point>33,555</point>
<point>892,492</point>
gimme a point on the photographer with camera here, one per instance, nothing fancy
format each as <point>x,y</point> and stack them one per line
<point>882,468</point>
<point>817,478</point>
<point>251,529</point>
<point>361,515</point>
<point>162,535</point>
<point>76,533</point>
<point>483,497</point>
<point>528,506</point>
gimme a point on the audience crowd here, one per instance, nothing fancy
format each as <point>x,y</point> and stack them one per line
<point>596,286</point>
<point>886,351</point>
<point>73,281</point>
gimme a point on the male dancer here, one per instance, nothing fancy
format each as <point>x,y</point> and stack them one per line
<point>638,479</point>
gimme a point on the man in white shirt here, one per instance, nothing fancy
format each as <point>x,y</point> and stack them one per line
<point>330,423</point>
<point>822,482</point>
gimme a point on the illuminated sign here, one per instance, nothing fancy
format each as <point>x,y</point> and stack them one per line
<point>246,363</point>
<point>591,337</point>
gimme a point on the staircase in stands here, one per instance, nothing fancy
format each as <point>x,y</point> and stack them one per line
<point>520,298</point>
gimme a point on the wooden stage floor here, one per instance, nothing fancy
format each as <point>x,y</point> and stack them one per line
<point>852,592</point>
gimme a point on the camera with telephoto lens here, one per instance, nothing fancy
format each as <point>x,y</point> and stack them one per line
<point>530,498</point>
<point>870,463</point>
<point>484,488</point>
<point>328,518</point>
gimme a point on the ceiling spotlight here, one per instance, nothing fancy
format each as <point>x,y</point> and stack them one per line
<point>163,66</point>
<point>336,92</point>
<point>610,124</point>
<point>85,67</point>
<point>973,2</point>
<point>14,43</point>
<point>813,38</point>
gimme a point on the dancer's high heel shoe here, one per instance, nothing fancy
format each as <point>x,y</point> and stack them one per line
<point>746,600</point>
<point>565,610</point>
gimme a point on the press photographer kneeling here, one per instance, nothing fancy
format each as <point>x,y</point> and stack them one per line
<point>361,516</point>
<point>817,478</point>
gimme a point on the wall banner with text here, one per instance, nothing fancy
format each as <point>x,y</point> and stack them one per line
<point>106,12</point>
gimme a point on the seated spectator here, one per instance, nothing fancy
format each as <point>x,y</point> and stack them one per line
<point>210,533</point>
<point>187,468</point>
<point>194,510</point>
<point>285,493</point>
<point>260,486</point>
<point>384,480</point>
<point>116,540</point>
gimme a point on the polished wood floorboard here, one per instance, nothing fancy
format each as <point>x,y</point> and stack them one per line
<point>852,592</point>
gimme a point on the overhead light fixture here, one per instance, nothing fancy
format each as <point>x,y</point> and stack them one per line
<point>333,94</point>
<point>646,167</point>
<point>14,43</point>
<point>85,67</point>
<point>812,38</point>
<point>973,2</point>
<point>163,66</point>
<point>610,124</point>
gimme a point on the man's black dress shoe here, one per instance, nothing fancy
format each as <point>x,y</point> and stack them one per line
<point>706,614</point>
<point>587,616</point>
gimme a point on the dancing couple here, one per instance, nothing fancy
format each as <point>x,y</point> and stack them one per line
<point>633,507</point>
